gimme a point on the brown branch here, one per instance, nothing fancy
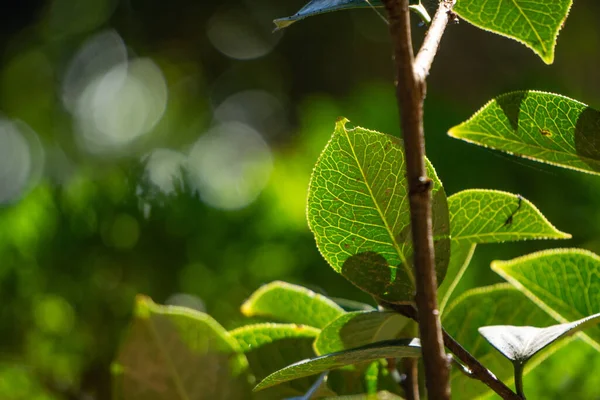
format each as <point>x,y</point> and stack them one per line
<point>410,93</point>
<point>410,368</point>
<point>475,369</point>
<point>433,38</point>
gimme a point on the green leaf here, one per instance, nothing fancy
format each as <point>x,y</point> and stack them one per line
<point>358,211</point>
<point>564,282</point>
<point>383,395</point>
<point>491,216</point>
<point>492,305</point>
<point>270,347</point>
<point>541,126</point>
<point>165,348</point>
<point>520,343</point>
<point>486,216</point>
<point>316,7</point>
<point>387,349</point>
<point>357,329</point>
<point>291,303</point>
<point>254,336</point>
<point>534,23</point>
<point>351,305</point>
<point>461,254</point>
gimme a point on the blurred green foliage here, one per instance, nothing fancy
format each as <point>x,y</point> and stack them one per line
<point>92,226</point>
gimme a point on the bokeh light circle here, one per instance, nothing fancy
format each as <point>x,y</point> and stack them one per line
<point>230,165</point>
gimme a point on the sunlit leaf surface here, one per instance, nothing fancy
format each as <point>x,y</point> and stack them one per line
<point>358,211</point>
<point>358,329</point>
<point>541,126</point>
<point>535,23</point>
<point>492,305</point>
<point>564,282</point>
<point>291,303</point>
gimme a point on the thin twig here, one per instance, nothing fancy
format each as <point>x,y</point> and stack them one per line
<point>410,93</point>
<point>475,369</point>
<point>432,40</point>
<point>410,368</point>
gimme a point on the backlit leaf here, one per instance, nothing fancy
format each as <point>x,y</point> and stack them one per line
<point>490,216</point>
<point>270,347</point>
<point>492,305</point>
<point>541,126</point>
<point>291,303</point>
<point>358,329</point>
<point>165,350</point>
<point>535,23</point>
<point>564,282</point>
<point>358,211</point>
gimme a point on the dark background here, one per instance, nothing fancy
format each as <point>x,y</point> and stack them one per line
<point>89,214</point>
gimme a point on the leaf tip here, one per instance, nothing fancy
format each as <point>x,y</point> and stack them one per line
<point>282,23</point>
<point>340,122</point>
<point>143,304</point>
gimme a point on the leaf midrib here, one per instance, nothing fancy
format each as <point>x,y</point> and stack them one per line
<point>407,267</point>
<point>485,134</point>
<point>530,24</point>
<point>176,380</point>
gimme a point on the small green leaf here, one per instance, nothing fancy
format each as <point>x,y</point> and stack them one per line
<point>541,126</point>
<point>165,343</point>
<point>270,347</point>
<point>490,216</point>
<point>291,303</point>
<point>383,395</point>
<point>534,23</point>
<point>492,305</point>
<point>254,336</point>
<point>564,282</point>
<point>520,343</point>
<point>316,7</point>
<point>358,211</point>
<point>387,349</point>
<point>357,329</point>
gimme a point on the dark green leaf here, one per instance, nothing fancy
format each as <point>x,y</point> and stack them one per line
<point>357,329</point>
<point>165,348</point>
<point>388,349</point>
<point>564,282</point>
<point>358,211</point>
<point>534,23</point>
<point>520,343</point>
<point>542,126</point>
<point>316,7</point>
<point>291,303</point>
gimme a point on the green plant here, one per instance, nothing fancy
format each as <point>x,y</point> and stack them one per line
<point>381,218</point>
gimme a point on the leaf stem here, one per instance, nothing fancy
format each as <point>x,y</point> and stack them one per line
<point>410,93</point>
<point>519,379</point>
